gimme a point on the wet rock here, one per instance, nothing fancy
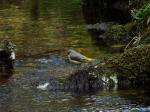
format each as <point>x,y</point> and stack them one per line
<point>7,55</point>
<point>89,78</point>
<point>82,81</point>
<point>5,61</point>
<point>101,27</point>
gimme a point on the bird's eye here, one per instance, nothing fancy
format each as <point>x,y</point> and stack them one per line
<point>69,51</point>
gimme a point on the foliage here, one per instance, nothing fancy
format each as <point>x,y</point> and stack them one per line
<point>120,34</point>
<point>141,14</point>
<point>121,30</point>
<point>137,4</point>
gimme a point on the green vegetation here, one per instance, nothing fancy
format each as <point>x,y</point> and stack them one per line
<point>121,34</point>
<point>141,14</point>
<point>133,64</point>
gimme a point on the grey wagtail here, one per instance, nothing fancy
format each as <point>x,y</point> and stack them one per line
<point>77,58</point>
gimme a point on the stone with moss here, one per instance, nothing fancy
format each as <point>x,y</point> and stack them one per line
<point>132,66</point>
<point>119,34</point>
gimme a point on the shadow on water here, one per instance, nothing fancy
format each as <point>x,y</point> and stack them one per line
<point>6,3</point>
<point>5,76</point>
<point>35,9</point>
<point>103,11</point>
<point>106,10</point>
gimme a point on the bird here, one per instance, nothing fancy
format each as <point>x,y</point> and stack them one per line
<point>77,58</point>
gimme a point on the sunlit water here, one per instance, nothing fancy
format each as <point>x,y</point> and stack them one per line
<point>41,27</point>
<point>43,31</point>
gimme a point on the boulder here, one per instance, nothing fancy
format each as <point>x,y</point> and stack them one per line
<point>91,77</point>
<point>7,56</point>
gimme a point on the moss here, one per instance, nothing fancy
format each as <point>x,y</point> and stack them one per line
<point>120,34</point>
<point>121,30</point>
<point>132,67</point>
<point>133,63</point>
<point>117,48</point>
<point>118,30</point>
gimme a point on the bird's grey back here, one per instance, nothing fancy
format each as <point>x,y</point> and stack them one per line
<point>76,56</point>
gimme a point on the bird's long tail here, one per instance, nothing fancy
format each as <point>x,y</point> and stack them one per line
<point>89,59</point>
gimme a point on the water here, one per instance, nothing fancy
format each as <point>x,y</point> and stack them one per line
<point>41,27</point>
<point>19,93</point>
<point>43,31</point>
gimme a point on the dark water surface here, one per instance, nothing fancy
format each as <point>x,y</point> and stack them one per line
<point>43,31</point>
<point>19,92</point>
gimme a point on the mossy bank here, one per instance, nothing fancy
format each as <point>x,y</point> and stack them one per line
<point>132,39</point>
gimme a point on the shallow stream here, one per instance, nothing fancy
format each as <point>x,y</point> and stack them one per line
<point>43,31</point>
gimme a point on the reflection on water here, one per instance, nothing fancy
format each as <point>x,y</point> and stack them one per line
<point>39,26</point>
<point>4,76</point>
<point>46,27</point>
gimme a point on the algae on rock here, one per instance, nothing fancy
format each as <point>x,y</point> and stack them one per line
<point>132,66</point>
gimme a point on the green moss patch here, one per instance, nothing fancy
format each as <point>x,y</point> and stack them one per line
<point>133,65</point>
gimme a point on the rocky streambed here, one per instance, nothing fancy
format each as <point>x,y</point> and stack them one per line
<point>71,87</point>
